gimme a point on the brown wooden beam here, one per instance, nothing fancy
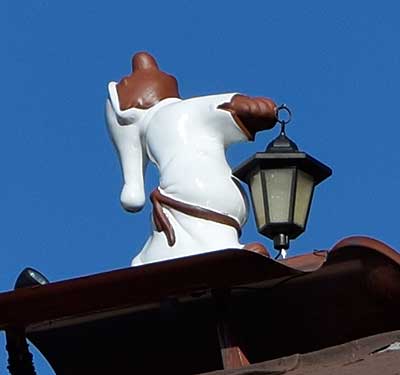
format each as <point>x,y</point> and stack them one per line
<point>231,353</point>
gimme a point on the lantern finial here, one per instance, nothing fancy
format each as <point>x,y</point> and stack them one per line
<point>282,143</point>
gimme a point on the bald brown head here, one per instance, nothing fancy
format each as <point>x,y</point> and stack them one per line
<point>146,85</point>
<point>143,60</point>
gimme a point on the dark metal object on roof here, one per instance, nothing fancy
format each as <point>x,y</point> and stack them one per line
<point>162,317</point>
<point>20,360</point>
<point>30,277</point>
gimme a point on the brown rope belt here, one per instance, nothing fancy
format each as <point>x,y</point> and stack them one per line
<point>163,224</point>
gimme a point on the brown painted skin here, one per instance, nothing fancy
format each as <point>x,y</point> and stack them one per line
<point>147,85</point>
<point>258,248</point>
<point>252,114</point>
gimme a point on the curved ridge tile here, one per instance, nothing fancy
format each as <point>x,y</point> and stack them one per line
<point>309,262</point>
<point>367,243</point>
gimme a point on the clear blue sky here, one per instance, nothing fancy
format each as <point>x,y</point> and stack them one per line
<point>335,64</point>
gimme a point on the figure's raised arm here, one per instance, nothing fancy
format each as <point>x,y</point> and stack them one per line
<point>237,117</point>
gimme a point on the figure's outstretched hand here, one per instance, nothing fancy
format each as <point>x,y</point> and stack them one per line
<point>146,85</point>
<point>252,113</point>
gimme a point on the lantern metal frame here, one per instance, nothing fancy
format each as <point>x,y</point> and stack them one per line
<point>282,153</point>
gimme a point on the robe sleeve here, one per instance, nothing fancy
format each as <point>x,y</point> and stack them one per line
<point>124,130</point>
<point>223,122</point>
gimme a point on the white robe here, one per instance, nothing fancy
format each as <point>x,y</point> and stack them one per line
<point>186,140</point>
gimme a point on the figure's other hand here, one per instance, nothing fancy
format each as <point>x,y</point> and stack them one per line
<point>252,113</point>
<point>147,84</point>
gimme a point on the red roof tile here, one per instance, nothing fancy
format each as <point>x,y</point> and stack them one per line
<point>370,355</point>
<point>277,308</point>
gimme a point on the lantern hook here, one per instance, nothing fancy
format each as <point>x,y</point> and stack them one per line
<point>283,121</point>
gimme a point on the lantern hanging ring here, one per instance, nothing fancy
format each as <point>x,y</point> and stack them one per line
<point>283,108</point>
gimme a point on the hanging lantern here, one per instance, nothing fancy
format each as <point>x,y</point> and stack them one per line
<point>282,181</point>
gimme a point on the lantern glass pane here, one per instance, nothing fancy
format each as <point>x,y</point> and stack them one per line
<point>279,189</point>
<point>304,189</point>
<point>257,196</point>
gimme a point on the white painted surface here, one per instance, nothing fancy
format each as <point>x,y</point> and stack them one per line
<point>186,140</point>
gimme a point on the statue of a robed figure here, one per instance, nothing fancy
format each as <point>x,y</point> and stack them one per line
<point>199,206</point>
